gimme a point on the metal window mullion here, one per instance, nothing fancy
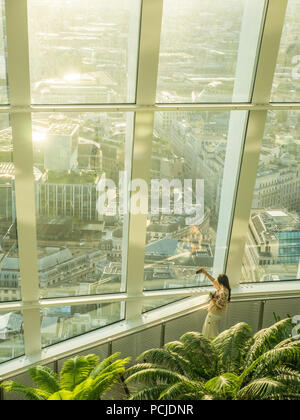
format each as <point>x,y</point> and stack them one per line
<point>271,37</point>
<point>19,88</point>
<point>151,22</point>
<point>252,25</point>
<point>275,17</point>
<point>143,133</point>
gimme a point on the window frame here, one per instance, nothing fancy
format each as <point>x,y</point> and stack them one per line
<point>237,218</point>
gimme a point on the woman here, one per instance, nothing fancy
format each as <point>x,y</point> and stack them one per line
<point>218,304</point>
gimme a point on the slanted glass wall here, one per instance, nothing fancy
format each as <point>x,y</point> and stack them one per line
<point>287,75</point>
<point>64,322</point>
<point>80,246</point>
<point>203,65</point>
<point>273,243</point>
<point>189,153</point>
<point>94,76</point>
<point>3,54</point>
<point>11,336</point>
<point>10,276</point>
<point>92,47</point>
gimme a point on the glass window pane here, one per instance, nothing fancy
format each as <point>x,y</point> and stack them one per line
<point>149,306</point>
<point>64,322</point>
<point>286,87</point>
<point>9,258</point>
<point>77,158</point>
<point>189,152</point>
<point>3,57</point>
<point>11,336</point>
<point>214,53</point>
<point>83,51</point>
<point>273,243</point>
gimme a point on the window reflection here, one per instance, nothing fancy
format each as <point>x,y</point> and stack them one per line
<point>3,57</point>
<point>273,242</point>
<point>11,336</point>
<point>287,75</point>
<point>79,247</point>
<point>64,322</point>
<point>187,147</point>
<point>213,58</point>
<point>9,256</point>
<point>83,52</point>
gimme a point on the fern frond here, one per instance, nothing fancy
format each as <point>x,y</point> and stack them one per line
<point>196,341</point>
<point>179,391</point>
<point>156,375</point>
<point>207,398</point>
<point>231,347</point>
<point>61,396</point>
<point>45,379</point>
<point>31,394</point>
<point>288,377</point>
<point>104,364</point>
<point>225,385</point>
<point>287,342</point>
<point>118,364</point>
<point>93,388</point>
<point>283,397</point>
<point>265,364</point>
<point>173,361</point>
<point>289,355</point>
<point>162,358</point>
<point>269,338</point>
<point>93,360</point>
<point>202,354</point>
<point>260,389</point>
<point>138,367</point>
<point>74,371</point>
<point>176,347</point>
<point>149,394</point>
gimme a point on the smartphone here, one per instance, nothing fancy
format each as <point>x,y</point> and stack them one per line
<point>201,278</point>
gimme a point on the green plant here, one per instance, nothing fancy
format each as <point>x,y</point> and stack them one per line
<point>277,318</point>
<point>81,378</point>
<point>234,366</point>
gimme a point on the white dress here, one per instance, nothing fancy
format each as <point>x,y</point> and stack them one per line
<point>211,328</point>
<point>217,308</point>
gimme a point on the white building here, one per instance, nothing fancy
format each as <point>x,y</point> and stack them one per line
<point>61,147</point>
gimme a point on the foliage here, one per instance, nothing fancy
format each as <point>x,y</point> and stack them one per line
<point>277,318</point>
<point>81,378</point>
<point>234,366</point>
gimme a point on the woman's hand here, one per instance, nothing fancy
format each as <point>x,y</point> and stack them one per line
<point>211,278</point>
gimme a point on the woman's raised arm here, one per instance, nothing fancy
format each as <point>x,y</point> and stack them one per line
<point>211,278</point>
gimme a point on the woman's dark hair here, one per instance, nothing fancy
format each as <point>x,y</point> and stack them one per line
<point>224,281</point>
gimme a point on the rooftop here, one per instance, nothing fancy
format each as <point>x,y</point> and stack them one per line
<point>270,225</point>
<point>10,322</point>
<point>165,246</point>
<point>66,129</point>
<point>6,135</point>
<point>7,170</point>
<point>73,178</point>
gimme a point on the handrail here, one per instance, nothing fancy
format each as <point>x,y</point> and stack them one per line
<point>163,324</point>
<point>266,299</point>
